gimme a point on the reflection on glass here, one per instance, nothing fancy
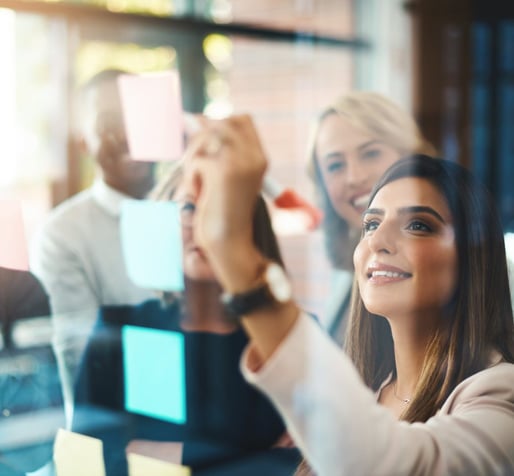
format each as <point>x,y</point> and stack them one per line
<point>153,7</point>
<point>95,56</point>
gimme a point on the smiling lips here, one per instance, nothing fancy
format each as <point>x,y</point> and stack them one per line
<point>360,202</point>
<point>381,274</point>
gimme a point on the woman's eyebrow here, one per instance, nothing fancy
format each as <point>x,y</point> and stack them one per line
<point>368,143</point>
<point>421,209</point>
<point>374,211</point>
<point>333,155</point>
<point>406,210</point>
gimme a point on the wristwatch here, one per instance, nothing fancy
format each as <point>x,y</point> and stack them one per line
<point>275,288</point>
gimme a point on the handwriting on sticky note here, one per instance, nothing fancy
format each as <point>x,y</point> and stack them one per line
<point>13,249</point>
<point>78,455</point>
<point>151,240</point>
<point>152,113</point>
<point>155,375</point>
<point>144,466</point>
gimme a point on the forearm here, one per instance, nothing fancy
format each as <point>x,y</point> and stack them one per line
<point>238,266</point>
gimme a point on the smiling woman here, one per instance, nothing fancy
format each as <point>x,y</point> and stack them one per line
<point>431,338</point>
<point>408,249</point>
<point>354,140</point>
<point>446,235</point>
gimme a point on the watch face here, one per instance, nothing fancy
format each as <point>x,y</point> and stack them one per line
<point>278,283</point>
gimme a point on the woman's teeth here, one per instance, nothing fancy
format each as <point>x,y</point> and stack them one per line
<point>362,201</point>
<point>389,274</point>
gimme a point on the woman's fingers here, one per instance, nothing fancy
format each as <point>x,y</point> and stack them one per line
<point>225,170</point>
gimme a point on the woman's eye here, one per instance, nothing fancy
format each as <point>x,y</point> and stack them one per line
<point>371,153</point>
<point>370,225</point>
<point>417,225</point>
<point>335,167</point>
<point>188,207</point>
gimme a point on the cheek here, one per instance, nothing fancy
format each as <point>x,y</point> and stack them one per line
<point>360,256</point>
<point>187,236</point>
<point>334,186</point>
<point>197,268</point>
<point>440,272</point>
<point>337,195</point>
<point>450,276</point>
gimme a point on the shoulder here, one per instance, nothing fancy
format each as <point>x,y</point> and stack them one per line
<point>80,200</point>
<point>495,383</point>
<point>498,376</point>
<point>71,210</point>
<point>71,221</point>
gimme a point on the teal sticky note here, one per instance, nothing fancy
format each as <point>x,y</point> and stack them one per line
<point>151,240</point>
<point>155,374</point>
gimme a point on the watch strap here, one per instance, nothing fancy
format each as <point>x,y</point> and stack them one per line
<point>237,305</point>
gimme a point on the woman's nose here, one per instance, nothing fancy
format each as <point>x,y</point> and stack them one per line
<point>383,240</point>
<point>356,175</point>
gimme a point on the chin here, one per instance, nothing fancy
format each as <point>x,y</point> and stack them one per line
<point>206,276</point>
<point>380,308</point>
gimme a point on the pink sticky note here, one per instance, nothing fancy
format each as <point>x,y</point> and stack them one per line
<point>13,246</point>
<point>152,112</point>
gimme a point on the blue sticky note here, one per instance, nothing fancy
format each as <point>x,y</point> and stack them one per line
<point>151,240</point>
<point>155,374</point>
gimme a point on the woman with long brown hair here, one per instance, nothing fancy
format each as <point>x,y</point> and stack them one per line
<point>427,386</point>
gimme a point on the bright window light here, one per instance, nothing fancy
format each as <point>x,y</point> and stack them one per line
<point>8,167</point>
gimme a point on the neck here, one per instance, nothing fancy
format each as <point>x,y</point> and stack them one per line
<point>410,344</point>
<point>204,311</point>
<point>138,190</point>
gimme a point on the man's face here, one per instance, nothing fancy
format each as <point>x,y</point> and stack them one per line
<point>107,141</point>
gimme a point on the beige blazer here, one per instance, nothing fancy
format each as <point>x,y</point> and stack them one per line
<point>335,419</point>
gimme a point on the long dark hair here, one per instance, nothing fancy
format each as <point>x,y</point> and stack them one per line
<point>479,318</point>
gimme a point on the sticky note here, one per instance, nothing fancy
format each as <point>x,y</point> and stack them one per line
<point>144,466</point>
<point>169,451</point>
<point>153,116</point>
<point>155,375</point>
<point>13,248</point>
<point>151,240</point>
<point>78,455</point>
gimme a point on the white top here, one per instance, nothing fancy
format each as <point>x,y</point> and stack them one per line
<point>78,258</point>
<point>78,255</point>
<point>335,419</point>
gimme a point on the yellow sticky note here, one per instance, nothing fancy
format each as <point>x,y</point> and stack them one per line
<point>144,466</point>
<point>78,455</point>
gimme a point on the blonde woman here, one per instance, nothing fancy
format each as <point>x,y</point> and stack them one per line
<point>354,140</point>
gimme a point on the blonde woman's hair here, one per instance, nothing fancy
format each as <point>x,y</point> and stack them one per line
<point>378,117</point>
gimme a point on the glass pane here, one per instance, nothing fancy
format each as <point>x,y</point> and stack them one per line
<point>325,17</point>
<point>283,86</point>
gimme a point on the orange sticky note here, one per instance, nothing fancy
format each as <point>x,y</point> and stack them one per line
<point>13,247</point>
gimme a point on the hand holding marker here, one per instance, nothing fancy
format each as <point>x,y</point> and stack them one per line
<point>307,216</point>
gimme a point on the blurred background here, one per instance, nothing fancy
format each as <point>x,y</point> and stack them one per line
<point>449,62</point>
